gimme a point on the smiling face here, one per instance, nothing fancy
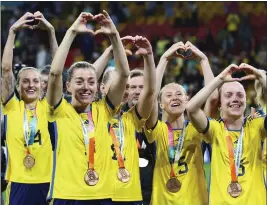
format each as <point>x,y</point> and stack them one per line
<point>82,86</point>
<point>173,99</point>
<point>233,100</point>
<point>29,84</point>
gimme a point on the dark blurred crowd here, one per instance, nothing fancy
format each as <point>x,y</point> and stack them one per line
<point>227,32</point>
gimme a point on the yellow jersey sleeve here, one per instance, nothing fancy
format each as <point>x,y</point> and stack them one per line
<point>11,104</point>
<point>152,134</point>
<point>260,124</point>
<point>55,112</point>
<point>212,128</point>
<point>136,119</point>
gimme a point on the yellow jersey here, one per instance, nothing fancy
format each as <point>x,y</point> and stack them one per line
<point>250,175</point>
<point>189,169</point>
<point>39,146</point>
<point>70,159</point>
<point>130,191</point>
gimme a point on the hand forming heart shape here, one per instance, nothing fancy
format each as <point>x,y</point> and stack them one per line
<point>183,53</point>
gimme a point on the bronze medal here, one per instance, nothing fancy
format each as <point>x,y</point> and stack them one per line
<point>234,189</point>
<point>123,175</point>
<point>91,177</point>
<point>29,161</point>
<point>173,185</point>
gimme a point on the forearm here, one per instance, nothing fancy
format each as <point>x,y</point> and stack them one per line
<point>102,61</point>
<point>160,72</point>
<point>149,75</point>
<point>200,98</point>
<point>263,82</point>
<point>8,52</point>
<point>53,42</point>
<point>208,77</point>
<point>62,53</point>
<point>121,62</point>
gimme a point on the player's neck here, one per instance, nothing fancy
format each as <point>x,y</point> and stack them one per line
<point>233,123</point>
<point>31,105</point>
<point>176,121</point>
<point>81,108</point>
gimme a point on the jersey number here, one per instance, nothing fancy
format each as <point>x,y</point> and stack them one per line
<point>243,170</point>
<point>182,163</point>
<point>114,157</point>
<point>37,138</point>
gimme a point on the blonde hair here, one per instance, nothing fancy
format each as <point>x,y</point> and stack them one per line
<point>27,68</point>
<point>77,65</point>
<point>168,85</point>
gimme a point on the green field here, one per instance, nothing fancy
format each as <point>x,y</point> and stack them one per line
<point>207,173</point>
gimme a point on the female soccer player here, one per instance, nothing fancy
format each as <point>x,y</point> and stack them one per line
<point>123,130</point>
<point>178,174</point>
<point>27,137</point>
<point>236,168</point>
<point>82,166</point>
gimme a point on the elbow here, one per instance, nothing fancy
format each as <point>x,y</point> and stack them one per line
<point>124,74</point>
<point>190,108</point>
<point>54,73</point>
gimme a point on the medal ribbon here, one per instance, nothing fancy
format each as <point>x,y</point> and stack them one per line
<point>33,125</point>
<point>172,153</point>
<point>234,159</point>
<point>89,141</point>
<point>116,146</point>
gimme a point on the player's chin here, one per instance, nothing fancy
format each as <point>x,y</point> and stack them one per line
<point>177,110</point>
<point>31,97</point>
<point>85,101</point>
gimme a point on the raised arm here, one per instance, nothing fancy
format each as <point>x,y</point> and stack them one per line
<point>122,71</point>
<point>195,114</point>
<point>45,25</point>
<point>211,105</point>
<point>55,85</point>
<point>256,74</point>
<point>147,95</point>
<point>7,73</point>
<point>169,54</point>
<point>101,63</point>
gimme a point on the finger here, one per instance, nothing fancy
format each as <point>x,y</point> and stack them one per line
<point>27,15</point>
<point>106,13</point>
<point>128,52</point>
<point>99,17</point>
<point>87,15</point>
<point>27,26</point>
<point>248,77</point>
<point>138,52</point>
<point>99,31</point>
<point>35,26</point>
<point>233,79</point>
<point>127,38</point>
<point>233,67</point>
<point>90,32</point>
<point>27,21</point>
<point>40,19</point>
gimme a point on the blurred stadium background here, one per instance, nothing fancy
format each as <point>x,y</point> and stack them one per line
<point>228,32</point>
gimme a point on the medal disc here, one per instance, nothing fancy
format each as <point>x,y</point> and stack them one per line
<point>173,185</point>
<point>123,175</point>
<point>29,161</point>
<point>91,177</point>
<point>234,189</point>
